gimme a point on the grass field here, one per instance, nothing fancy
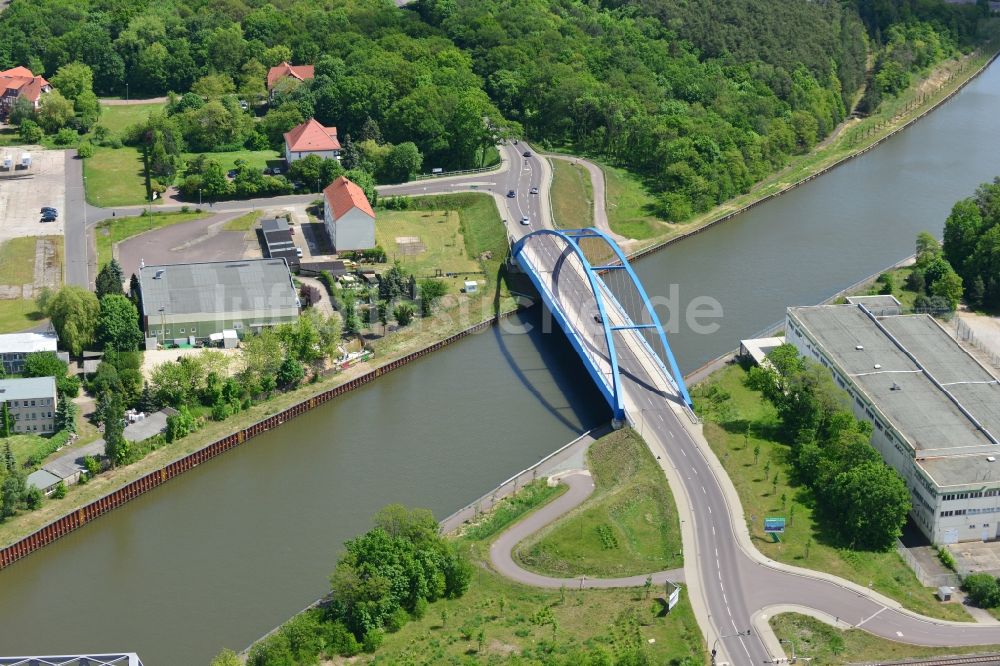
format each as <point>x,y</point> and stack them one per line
<point>628,205</point>
<point>114,177</point>
<point>828,645</point>
<point>115,230</point>
<point>804,542</point>
<point>903,295</point>
<point>243,222</point>
<point>572,195</point>
<point>439,233</point>
<point>255,158</point>
<point>118,117</point>
<point>629,526</point>
<point>18,315</point>
<point>17,259</point>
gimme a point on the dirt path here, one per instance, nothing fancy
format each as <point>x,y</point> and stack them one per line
<point>581,486</point>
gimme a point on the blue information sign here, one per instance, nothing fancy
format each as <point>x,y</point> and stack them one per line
<point>774,525</point>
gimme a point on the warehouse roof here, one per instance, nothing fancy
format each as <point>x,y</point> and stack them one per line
<point>243,286</point>
<point>939,398</point>
<point>27,343</point>
<point>26,389</point>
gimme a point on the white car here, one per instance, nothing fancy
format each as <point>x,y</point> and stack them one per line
<point>525,221</point>
<point>298,252</point>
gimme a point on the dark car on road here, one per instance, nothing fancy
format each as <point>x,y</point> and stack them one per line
<point>526,153</point>
<point>598,318</point>
<point>511,194</point>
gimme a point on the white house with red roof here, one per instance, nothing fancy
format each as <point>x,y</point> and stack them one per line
<point>311,138</point>
<point>348,216</point>
<point>20,82</point>
<point>285,70</point>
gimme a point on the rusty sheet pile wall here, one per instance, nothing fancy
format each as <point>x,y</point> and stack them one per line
<point>99,507</point>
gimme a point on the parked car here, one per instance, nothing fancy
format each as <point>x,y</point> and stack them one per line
<point>298,252</point>
<point>48,217</point>
<point>231,173</point>
<point>244,105</point>
<point>511,194</point>
<point>526,153</point>
<point>525,221</point>
<point>515,142</point>
<point>534,190</point>
<point>49,209</point>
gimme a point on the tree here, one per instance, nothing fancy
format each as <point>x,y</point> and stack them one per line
<point>431,290</point>
<point>11,491</point>
<point>85,150</point>
<point>118,324</point>
<point>6,422</point>
<point>868,505</point>
<point>402,163</point>
<point>403,314</point>
<point>74,312</point>
<point>949,287</point>
<point>213,86</point>
<point>55,111</point>
<point>180,424</point>
<point>112,413</point>
<point>47,364</point>
<point>226,658</point>
<point>290,373</point>
<point>928,249</point>
<point>110,279</point>
<point>66,415</point>
<point>73,80</point>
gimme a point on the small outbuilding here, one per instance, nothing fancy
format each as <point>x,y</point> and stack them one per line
<point>471,287</point>
<point>44,481</point>
<point>944,593</point>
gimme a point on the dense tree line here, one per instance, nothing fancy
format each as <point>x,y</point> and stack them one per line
<point>972,245</point>
<point>860,500</point>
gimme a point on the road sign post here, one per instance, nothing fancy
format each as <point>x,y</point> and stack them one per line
<point>775,526</point>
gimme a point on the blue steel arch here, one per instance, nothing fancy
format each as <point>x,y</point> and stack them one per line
<point>571,237</point>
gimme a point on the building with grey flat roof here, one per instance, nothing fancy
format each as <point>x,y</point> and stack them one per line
<point>32,403</point>
<point>182,301</point>
<point>878,304</point>
<point>934,410</point>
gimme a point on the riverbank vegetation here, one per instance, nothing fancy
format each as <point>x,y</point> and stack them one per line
<point>972,246</point>
<point>497,621</point>
<point>628,527</point>
<point>751,441</point>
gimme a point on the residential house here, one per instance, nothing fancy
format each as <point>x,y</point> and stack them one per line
<point>20,82</point>
<point>287,71</point>
<point>311,138</point>
<point>15,347</point>
<point>32,403</point>
<point>348,216</point>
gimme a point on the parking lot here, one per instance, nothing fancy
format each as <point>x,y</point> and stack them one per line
<point>23,193</point>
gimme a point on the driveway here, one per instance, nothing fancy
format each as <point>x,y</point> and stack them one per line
<point>200,240</point>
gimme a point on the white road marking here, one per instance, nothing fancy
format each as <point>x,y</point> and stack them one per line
<point>710,511</point>
<point>703,490</point>
<point>870,617</point>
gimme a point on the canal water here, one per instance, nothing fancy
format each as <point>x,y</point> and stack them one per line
<point>225,552</point>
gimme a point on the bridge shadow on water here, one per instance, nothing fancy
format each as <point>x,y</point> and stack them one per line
<point>559,363</point>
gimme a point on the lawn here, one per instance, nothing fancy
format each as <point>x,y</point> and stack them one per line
<point>114,177</point>
<point>828,645</point>
<point>113,231</point>
<point>18,315</point>
<point>17,259</point>
<point>629,526</point>
<point>903,295</point>
<point>438,244</point>
<point>255,158</point>
<point>118,117</point>
<point>23,446</point>
<point>629,205</point>
<point>733,429</point>
<point>243,222</point>
<point>572,195</point>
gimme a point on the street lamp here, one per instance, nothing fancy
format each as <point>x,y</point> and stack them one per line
<point>126,91</point>
<point>163,334</point>
<point>199,196</point>
<point>715,645</point>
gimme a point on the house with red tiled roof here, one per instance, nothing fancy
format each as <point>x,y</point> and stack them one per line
<point>311,138</point>
<point>19,82</point>
<point>348,216</point>
<point>285,70</point>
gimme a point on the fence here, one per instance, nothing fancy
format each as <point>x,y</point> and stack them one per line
<point>463,172</point>
<point>79,517</point>
<point>965,334</point>
<point>927,579</point>
<point>472,510</point>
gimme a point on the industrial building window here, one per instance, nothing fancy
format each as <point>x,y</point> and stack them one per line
<point>238,325</point>
<point>32,403</point>
<point>182,331</point>
<point>878,424</point>
<point>194,330</point>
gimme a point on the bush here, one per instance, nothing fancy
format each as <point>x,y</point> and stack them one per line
<point>92,465</point>
<point>339,640</point>
<point>396,620</point>
<point>372,640</point>
<point>983,590</point>
<point>65,137</point>
<point>60,491</point>
<point>946,557</point>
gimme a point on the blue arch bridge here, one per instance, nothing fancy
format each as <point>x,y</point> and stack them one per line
<point>590,288</point>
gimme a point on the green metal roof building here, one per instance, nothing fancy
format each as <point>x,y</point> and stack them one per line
<point>180,301</point>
